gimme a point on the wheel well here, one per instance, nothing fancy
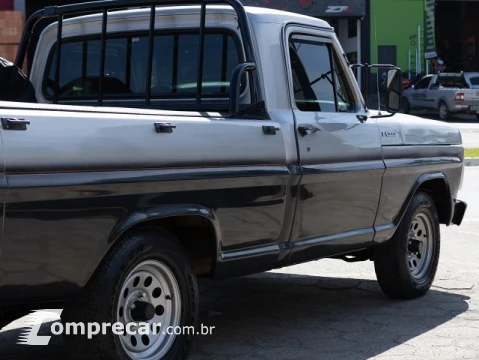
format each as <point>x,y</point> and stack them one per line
<point>439,192</point>
<point>442,100</point>
<point>195,233</point>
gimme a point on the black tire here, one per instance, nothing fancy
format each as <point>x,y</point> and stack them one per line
<point>446,114</point>
<point>99,302</point>
<point>392,266</point>
<point>406,107</point>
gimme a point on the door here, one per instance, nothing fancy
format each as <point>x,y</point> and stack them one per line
<point>340,155</point>
<point>419,94</point>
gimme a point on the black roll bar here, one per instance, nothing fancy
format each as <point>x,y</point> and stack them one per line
<point>103,6</point>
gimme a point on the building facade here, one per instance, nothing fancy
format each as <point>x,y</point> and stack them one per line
<point>397,34</point>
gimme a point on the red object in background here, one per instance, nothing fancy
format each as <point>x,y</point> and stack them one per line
<point>305,4</point>
<point>11,27</point>
<point>405,84</point>
<point>6,5</point>
<point>8,52</point>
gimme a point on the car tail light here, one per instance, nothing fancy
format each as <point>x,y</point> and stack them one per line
<point>459,97</point>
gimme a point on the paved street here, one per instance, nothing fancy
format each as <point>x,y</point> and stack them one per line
<point>330,309</point>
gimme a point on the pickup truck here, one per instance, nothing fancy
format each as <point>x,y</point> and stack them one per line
<point>446,93</point>
<point>125,181</point>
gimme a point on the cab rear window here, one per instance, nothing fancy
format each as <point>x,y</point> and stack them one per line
<point>474,80</point>
<point>174,66</point>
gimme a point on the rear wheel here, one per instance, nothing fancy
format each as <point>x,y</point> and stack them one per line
<point>406,264</point>
<point>148,281</point>
<point>444,113</point>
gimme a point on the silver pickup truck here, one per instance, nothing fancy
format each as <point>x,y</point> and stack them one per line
<point>125,181</point>
<point>446,93</point>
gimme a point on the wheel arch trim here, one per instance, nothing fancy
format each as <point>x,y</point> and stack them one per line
<point>139,216</point>
<point>386,231</point>
<point>163,212</point>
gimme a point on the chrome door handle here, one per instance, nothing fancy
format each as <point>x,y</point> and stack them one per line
<point>164,127</point>
<point>14,124</point>
<point>307,129</point>
<point>270,130</point>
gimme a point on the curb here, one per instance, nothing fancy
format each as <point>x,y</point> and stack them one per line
<point>471,161</point>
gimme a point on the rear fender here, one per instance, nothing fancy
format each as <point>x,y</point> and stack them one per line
<point>140,216</point>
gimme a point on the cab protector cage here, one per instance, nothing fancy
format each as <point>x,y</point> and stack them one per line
<point>73,10</point>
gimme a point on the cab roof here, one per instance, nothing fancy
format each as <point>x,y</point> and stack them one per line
<point>254,14</point>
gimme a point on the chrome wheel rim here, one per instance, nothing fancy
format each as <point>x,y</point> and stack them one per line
<point>150,295</point>
<point>420,246</point>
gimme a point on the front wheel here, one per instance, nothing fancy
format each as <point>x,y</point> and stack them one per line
<point>146,281</point>
<point>406,264</point>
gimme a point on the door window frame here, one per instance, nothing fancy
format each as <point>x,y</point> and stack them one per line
<point>321,35</point>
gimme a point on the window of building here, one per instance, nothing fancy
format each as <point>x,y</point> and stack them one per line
<point>318,78</point>
<point>174,67</point>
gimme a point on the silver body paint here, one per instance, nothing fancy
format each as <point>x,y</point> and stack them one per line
<point>275,200</point>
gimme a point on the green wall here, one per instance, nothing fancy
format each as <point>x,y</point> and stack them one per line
<point>393,22</point>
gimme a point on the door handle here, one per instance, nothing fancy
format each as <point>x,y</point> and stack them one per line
<point>164,127</point>
<point>270,130</point>
<point>15,124</point>
<point>307,129</point>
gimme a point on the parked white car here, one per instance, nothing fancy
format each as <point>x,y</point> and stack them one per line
<point>446,93</point>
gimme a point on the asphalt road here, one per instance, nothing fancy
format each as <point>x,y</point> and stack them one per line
<point>330,309</point>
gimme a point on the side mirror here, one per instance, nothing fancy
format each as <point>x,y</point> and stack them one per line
<point>393,90</point>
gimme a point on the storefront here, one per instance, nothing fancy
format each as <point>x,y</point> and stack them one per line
<point>457,34</point>
<point>346,16</point>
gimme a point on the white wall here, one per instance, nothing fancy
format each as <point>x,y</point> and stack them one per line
<point>348,44</point>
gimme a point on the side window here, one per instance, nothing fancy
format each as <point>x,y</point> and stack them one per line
<point>423,83</point>
<point>318,80</point>
<point>174,67</point>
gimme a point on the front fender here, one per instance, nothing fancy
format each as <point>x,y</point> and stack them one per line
<point>385,232</point>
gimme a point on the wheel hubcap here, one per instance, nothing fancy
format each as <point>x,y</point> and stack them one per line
<point>150,295</point>
<point>442,111</point>
<point>420,245</point>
